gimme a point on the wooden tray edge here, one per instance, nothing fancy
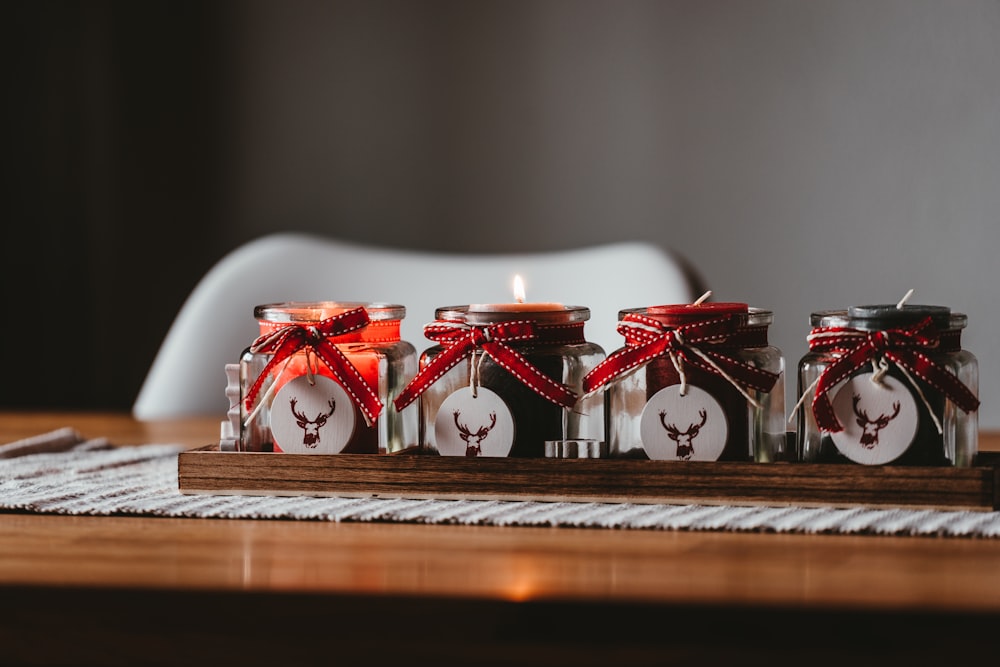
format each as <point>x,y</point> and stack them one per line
<point>206,471</point>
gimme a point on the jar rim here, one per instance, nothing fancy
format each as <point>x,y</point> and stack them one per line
<point>315,311</point>
<point>707,309</point>
<point>880,317</point>
<point>751,315</point>
<point>564,315</point>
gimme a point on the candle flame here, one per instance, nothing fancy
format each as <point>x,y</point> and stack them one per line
<point>518,289</point>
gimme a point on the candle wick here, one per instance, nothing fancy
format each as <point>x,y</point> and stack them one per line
<point>701,299</point>
<point>902,302</point>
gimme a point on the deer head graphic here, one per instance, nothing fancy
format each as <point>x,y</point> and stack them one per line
<point>310,427</point>
<point>474,440</point>
<point>685,438</point>
<point>869,436</point>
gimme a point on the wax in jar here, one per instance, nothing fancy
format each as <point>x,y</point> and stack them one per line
<point>314,381</point>
<point>519,305</point>
<point>516,307</point>
<point>499,383</point>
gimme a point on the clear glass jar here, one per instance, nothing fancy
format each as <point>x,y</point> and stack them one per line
<point>480,408</point>
<point>887,409</point>
<point>654,413</point>
<point>300,405</point>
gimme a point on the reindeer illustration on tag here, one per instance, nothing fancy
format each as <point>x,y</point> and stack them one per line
<point>871,427</point>
<point>311,427</point>
<point>473,424</point>
<point>879,417</point>
<point>694,423</point>
<point>685,438</point>
<point>474,440</point>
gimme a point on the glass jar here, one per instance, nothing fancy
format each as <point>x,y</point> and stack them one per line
<point>884,384</point>
<point>320,377</point>
<point>501,384</point>
<point>695,382</point>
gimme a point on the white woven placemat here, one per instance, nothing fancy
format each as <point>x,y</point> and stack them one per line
<point>62,473</point>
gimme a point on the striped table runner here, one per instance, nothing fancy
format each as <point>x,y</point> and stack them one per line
<point>62,473</point>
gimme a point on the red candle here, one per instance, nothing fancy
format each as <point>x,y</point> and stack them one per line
<point>306,408</point>
<point>703,387</point>
<point>681,314</point>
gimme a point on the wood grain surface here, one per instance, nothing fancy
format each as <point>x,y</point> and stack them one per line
<point>608,480</point>
<point>163,591</point>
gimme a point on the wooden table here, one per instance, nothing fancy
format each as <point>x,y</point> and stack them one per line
<point>128,591</point>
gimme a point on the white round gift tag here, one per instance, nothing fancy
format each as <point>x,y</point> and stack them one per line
<point>479,425</point>
<point>692,427</point>
<point>880,419</point>
<point>312,418</point>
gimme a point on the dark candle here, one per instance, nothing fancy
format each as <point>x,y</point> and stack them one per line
<point>892,386</point>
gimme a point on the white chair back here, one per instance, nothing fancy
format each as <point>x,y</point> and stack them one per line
<point>216,322</point>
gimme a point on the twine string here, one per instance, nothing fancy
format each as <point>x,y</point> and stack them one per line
<point>266,398</point>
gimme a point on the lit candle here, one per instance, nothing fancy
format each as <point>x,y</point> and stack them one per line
<point>519,305</point>
<point>504,378</point>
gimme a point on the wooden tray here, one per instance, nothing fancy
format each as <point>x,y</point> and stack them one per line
<point>210,471</point>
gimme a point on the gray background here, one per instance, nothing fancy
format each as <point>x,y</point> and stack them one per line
<point>801,155</point>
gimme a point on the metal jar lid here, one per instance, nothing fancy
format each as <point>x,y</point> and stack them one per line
<point>315,311</point>
<point>880,317</point>
<point>560,315</point>
<point>680,314</point>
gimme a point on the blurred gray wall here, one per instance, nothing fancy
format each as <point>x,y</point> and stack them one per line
<point>803,155</point>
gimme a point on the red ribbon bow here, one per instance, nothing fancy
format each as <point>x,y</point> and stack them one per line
<point>647,339</point>
<point>287,340</point>
<point>901,346</point>
<point>460,340</point>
